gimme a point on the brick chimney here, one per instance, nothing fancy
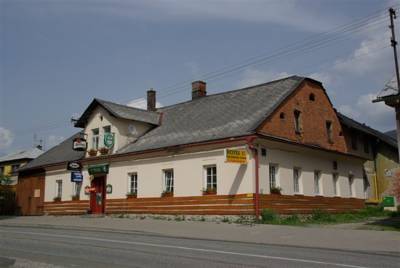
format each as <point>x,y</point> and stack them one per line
<point>198,89</point>
<point>151,100</point>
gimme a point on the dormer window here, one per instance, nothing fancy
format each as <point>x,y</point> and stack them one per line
<point>312,97</point>
<point>95,138</point>
<point>107,129</point>
<point>297,121</point>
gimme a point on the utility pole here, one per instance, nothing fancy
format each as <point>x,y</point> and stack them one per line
<point>393,42</point>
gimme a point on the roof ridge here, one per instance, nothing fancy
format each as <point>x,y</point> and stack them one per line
<point>236,90</point>
<point>126,106</point>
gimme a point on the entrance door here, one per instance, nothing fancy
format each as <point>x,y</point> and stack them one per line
<point>98,196</point>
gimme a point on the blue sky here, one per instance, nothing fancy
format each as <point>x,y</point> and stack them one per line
<point>56,56</point>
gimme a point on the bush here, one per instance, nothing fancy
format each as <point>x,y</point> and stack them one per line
<point>268,216</point>
<point>276,190</point>
<point>321,216</point>
<point>291,220</point>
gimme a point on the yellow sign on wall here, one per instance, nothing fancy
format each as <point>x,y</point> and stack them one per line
<point>236,156</point>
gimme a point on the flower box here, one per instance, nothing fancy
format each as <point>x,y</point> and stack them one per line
<point>167,194</point>
<point>104,150</point>
<point>131,195</point>
<point>92,152</point>
<point>276,190</point>
<point>57,199</point>
<point>210,191</point>
<point>75,198</point>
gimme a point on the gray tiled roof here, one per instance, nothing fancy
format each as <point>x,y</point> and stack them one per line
<point>228,114</point>
<point>347,121</point>
<point>31,153</point>
<point>120,111</point>
<point>58,154</point>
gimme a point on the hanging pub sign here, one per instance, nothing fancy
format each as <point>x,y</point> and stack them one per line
<point>98,169</point>
<point>74,165</point>
<point>79,144</point>
<point>108,140</point>
<point>76,176</point>
<point>236,156</point>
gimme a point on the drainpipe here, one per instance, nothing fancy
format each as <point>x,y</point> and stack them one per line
<point>250,141</point>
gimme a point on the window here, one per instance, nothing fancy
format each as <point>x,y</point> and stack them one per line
<point>211,177</point>
<point>312,97</point>
<point>329,131</point>
<point>366,145</point>
<point>95,139</point>
<point>335,180</point>
<point>296,180</point>
<point>263,152</point>
<point>354,141</point>
<point>58,188</point>
<point>297,121</point>
<point>1,170</point>
<point>351,181</point>
<point>107,129</point>
<point>334,165</point>
<point>132,183</point>
<point>273,169</point>
<point>317,182</point>
<point>77,189</point>
<point>14,168</point>
<point>282,115</point>
<point>169,180</point>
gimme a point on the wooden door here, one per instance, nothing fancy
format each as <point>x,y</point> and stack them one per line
<point>30,195</point>
<point>98,196</point>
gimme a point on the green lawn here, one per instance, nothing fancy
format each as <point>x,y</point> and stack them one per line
<point>374,218</point>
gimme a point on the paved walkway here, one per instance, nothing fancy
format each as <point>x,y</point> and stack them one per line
<point>316,237</point>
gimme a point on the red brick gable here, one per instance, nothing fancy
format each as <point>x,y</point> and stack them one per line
<point>314,115</point>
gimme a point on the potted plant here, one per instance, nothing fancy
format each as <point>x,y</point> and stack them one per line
<point>103,150</point>
<point>92,152</point>
<point>209,191</point>
<point>276,190</point>
<point>57,199</point>
<point>131,195</point>
<point>75,197</point>
<point>166,193</point>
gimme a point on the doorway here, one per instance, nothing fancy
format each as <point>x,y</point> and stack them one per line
<point>98,196</point>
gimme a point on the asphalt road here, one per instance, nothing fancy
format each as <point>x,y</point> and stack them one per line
<point>57,247</point>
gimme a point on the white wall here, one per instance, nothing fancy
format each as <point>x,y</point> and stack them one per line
<point>101,118</point>
<point>231,178</point>
<point>288,157</point>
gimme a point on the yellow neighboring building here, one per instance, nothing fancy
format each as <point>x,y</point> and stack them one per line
<point>9,164</point>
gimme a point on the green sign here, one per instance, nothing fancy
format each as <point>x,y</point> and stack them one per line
<point>98,169</point>
<point>108,140</point>
<point>388,201</point>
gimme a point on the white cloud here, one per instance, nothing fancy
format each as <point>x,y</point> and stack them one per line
<point>377,115</point>
<point>252,77</point>
<point>54,140</point>
<point>6,138</point>
<point>141,103</point>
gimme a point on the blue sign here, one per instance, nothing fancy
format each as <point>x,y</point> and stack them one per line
<point>76,176</point>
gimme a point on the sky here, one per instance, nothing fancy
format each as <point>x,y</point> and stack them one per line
<point>56,56</point>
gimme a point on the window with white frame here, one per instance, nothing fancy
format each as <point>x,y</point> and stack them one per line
<point>351,182</point>
<point>210,173</point>
<point>317,182</point>
<point>296,180</point>
<point>132,183</point>
<point>76,188</point>
<point>95,138</point>
<point>335,181</point>
<point>59,188</point>
<point>168,180</point>
<point>273,174</point>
